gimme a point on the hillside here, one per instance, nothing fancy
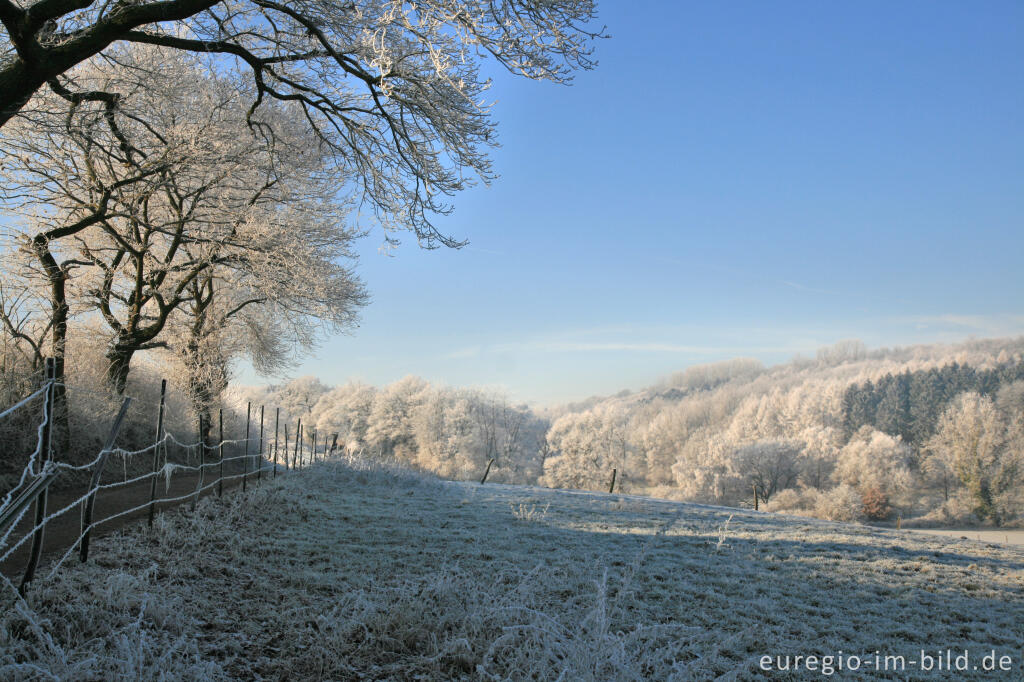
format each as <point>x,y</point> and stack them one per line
<point>349,572</point>
<point>850,435</point>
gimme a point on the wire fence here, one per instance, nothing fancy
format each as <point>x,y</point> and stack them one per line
<point>198,466</point>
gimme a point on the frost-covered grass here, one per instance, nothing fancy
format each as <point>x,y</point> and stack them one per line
<point>343,573</point>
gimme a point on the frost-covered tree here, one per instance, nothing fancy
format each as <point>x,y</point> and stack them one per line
<point>390,431</point>
<point>449,442</point>
<point>769,466</point>
<point>298,397</point>
<point>346,410</point>
<point>587,446</point>
<point>171,205</point>
<point>392,88</point>
<point>877,465</point>
<point>970,444</point>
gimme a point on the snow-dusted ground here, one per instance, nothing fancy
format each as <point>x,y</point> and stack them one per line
<point>339,573</point>
<point>1008,536</point>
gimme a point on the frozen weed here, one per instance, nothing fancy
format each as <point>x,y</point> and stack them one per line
<point>722,530</point>
<point>530,512</point>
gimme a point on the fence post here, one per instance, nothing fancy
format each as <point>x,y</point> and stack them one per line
<point>245,457</point>
<point>286,467</point>
<point>755,497</point>
<point>220,450</point>
<point>334,444</point>
<point>202,462</point>
<point>156,450</point>
<point>89,505</point>
<point>611,488</point>
<point>259,455</point>
<point>298,445</point>
<point>487,470</point>
<point>277,420</point>
<point>45,454</point>
<point>312,449</point>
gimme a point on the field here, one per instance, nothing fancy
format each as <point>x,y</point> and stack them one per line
<point>343,572</point>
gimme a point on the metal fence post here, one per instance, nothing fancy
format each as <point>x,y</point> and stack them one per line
<point>277,420</point>
<point>202,463</point>
<point>245,457</point>
<point>156,451</point>
<point>89,505</point>
<point>259,455</point>
<point>46,454</point>
<point>220,451</point>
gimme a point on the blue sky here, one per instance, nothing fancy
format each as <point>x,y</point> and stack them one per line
<point>735,179</point>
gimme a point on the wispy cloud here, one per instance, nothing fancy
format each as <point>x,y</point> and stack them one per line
<point>553,347</point>
<point>1003,324</point>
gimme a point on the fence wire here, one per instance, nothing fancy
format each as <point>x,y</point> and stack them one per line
<point>40,467</point>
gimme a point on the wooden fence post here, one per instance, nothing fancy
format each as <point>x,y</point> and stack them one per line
<point>245,457</point>
<point>259,455</point>
<point>334,444</point>
<point>611,488</point>
<point>220,450</point>
<point>755,498</point>
<point>487,470</point>
<point>89,504</point>
<point>277,420</point>
<point>156,451</point>
<point>298,445</point>
<point>45,455</point>
<point>312,449</point>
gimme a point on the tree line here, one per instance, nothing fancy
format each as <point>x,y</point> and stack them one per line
<point>797,437</point>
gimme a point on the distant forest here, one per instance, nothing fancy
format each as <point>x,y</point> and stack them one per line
<point>927,434</point>
<point>909,404</point>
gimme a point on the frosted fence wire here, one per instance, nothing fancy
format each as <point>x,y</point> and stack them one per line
<point>29,470</point>
<point>126,512</point>
<point>166,471</point>
<point>13,548</point>
<point>14,408</point>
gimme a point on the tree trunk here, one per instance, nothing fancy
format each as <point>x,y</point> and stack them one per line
<point>59,311</point>
<point>119,360</point>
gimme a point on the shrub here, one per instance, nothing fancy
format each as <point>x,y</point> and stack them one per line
<point>875,504</point>
<point>842,503</point>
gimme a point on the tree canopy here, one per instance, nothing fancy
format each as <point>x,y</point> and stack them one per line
<point>392,89</point>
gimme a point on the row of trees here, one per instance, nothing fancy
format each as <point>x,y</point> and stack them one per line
<point>169,226</point>
<point>187,177</point>
<point>453,433</point>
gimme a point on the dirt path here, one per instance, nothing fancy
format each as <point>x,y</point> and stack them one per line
<point>1003,537</point>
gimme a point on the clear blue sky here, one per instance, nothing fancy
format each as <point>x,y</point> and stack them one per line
<point>735,179</point>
